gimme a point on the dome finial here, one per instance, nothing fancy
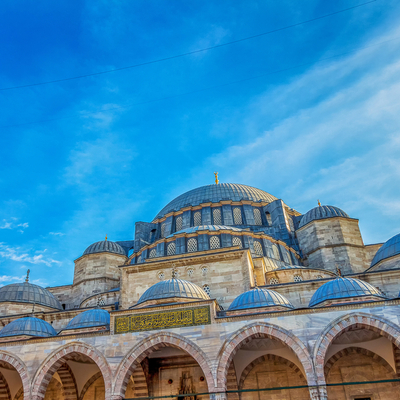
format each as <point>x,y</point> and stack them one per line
<point>27,275</point>
<point>339,271</point>
<point>106,237</point>
<point>173,272</point>
<point>255,282</point>
<point>319,203</point>
<point>216,177</point>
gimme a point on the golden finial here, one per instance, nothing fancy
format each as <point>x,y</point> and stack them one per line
<point>173,272</point>
<point>339,271</point>
<point>106,237</point>
<point>319,203</point>
<point>27,275</point>
<point>216,177</point>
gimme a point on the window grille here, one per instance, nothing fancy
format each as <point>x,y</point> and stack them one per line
<point>297,278</point>
<point>153,253</point>
<point>161,276</point>
<point>162,230</point>
<point>257,216</point>
<point>273,281</point>
<point>171,249</point>
<point>190,272</point>
<point>214,242</point>
<point>258,248</point>
<point>178,223</point>
<point>197,218</point>
<point>217,216</point>
<point>191,245</point>
<point>204,271</point>
<point>237,216</point>
<point>237,242</point>
<point>276,252</point>
<point>206,288</point>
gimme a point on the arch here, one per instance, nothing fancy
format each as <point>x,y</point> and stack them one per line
<point>20,368</point>
<point>152,343</point>
<point>5,393</point>
<point>68,382</point>
<point>89,383</point>
<point>55,360</point>
<point>20,394</point>
<point>262,330</point>
<point>345,323</point>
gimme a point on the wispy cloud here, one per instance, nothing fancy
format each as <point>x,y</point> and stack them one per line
<point>57,233</point>
<point>11,279</point>
<point>13,225</point>
<point>15,254</point>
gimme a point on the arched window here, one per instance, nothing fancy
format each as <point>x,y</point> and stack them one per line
<point>192,245</point>
<point>161,276</point>
<point>217,216</point>
<point>204,271</point>
<point>152,253</point>
<point>197,218</point>
<point>178,223</point>
<point>269,219</point>
<point>237,242</point>
<point>139,259</point>
<point>190,272</point>
<point>258,248</point>
<point>276,252</point>
<point>273,281</point>
<point>297,278</point>
<point>162,229</point>
<point>206,288</point>
<point>257,216</point>
<point>214,242</point>
<point>237,216</point>
<point>171,249</point>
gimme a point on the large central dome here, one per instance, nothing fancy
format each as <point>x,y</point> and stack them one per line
<point>214,194</point>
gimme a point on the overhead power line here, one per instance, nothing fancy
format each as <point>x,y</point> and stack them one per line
<point>190,52</point>
<point>88,113</point>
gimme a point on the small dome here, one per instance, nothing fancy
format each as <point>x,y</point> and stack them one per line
<point>342,288</point>
<point>389,249</point>
<point>105,246</point>
<point>322,212</point>
<point>257,297</point>
<point>29,326</point>
<point>211,228</point>
<point>90,318</point>
<point>28,293</point>
<point>173,288</point>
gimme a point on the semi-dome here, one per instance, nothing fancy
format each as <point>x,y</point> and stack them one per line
<point>215,193</point>
<point>211,228</point>
<point>389,249</point>
<point>173,288</point>
<point>258,297</point>
<point>89,319</point>
<point>28,326</point>
<point>28,293</point>
<point>321,212</point>
<point>343,288</point>
<point>105,246</point>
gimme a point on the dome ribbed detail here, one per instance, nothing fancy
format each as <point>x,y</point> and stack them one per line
<point>216,193</point>
<point>105,246</point>
<point>29,326</point>
<point>389,249</point>
<point>322,212</point>
<point>90,318</point>
<point>28,293</point>
<point>173,288</point>
<point>259,298</point>
<point>211,228</point>
<point>342,288</point>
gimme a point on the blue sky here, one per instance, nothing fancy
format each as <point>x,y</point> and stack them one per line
<point>88,157</point>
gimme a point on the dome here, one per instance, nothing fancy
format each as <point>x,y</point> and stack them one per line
<point>211,228</point>
<point>257,297</point>
<point>28,293</point>
<point>389,249</point>
<point>342,288</point>
<point>215,193</point>
<point>322,212</point>
<point>29,326</point>
<point>90,318</point>
<point>105,246</point>
<point>173,288</point>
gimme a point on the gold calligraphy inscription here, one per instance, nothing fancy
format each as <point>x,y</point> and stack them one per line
<point>162,320</point>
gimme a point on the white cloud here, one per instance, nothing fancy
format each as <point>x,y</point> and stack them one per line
<point>57,233</point>
<point>14,225</point>
<point>11,279</point>
<point>15,254</point>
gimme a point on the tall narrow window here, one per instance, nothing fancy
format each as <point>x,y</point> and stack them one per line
<point>153,253</point>
<point>178,223</point>
<point>237,216</point>
<point>171,249</point>
<point>276,252</point>
<point>258,248</point>
<point>162,229</point>
<point>217,216</point>
<point>257,217</point>
<point>237,242</point>
<point>197,218</point>
<point>191,245</point>
<point>214,242</point>
<point>269,219</point>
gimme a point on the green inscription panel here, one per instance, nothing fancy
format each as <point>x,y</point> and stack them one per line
<point>162,320</point>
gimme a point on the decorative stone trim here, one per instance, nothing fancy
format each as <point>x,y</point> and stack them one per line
<point>15,362</point>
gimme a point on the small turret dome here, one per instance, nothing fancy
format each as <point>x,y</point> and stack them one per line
<point>28,326</point>
<point>322,212</point>
<point>89,319</point>
<point>344,288</point>
<point>28,293</point>
<point>389,249</point>
<point>258,297</point>
<point>105,246</point>
<point>173,288</point>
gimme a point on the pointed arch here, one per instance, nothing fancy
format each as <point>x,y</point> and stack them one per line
<point>89,383</point>
<point>20,367</point>
<point>59,357</point>
<point>152,343</point>
<point>5,393</point>
<point>68,381</point>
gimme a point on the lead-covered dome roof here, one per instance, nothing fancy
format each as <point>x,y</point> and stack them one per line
<point>321,212</point>
<point>258,297</point>
<point>105,246</point>
<point>90,318</point>
<point>173,288</point>
<point>28,293</point>
<point>342,288</point>
<point>28,326</point>
<point>389,249</point>
<point>214,194</point>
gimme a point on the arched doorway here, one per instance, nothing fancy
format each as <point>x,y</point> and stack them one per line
<point>14,378</point>
<point>73,372</point>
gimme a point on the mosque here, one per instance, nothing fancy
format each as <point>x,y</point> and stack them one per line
<point>228,293</point>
